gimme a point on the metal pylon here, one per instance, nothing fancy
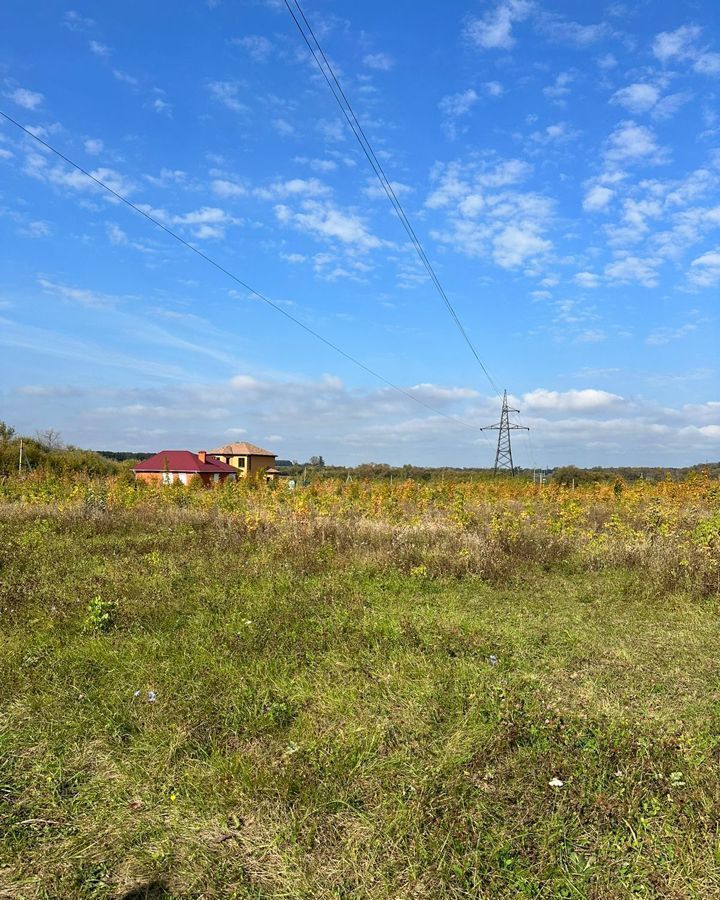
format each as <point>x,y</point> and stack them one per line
<point>503,455</point>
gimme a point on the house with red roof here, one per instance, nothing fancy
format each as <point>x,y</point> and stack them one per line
<point>169,466</point>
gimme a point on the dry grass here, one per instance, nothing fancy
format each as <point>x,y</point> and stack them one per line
<point>327,719</point>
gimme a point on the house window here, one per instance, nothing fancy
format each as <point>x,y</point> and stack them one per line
<point>167,477</point>
<point>216,476</point>
<point>241,461</point>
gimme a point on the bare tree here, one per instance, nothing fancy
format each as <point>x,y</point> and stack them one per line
<point>50,439</point>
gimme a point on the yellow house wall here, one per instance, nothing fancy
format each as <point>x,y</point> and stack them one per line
<point>253,464</point>
<point>257,464</point>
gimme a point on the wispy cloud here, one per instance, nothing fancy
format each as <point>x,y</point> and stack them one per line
<point>683,45</point>
<point>81,296</point>
<point>98,49</point>
<point>228,94</point>
<point>630,143</point>
<point>26,98</point>
<point>560,88</point>
<point>494,30</point>
<point>258,47</point>
<point>77,22</point>
<point>381,62</point>
<point>327,221</point>
<point>454,107</point>
<point>125,78</point>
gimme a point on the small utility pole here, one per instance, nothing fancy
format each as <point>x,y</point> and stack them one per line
<point>503,455</point>
<point>20,460</point>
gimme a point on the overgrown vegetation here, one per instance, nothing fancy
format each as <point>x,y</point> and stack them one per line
<point>361,689</point>
<point>46,453</point>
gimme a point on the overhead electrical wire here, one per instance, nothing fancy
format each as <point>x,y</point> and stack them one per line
<point>329,75</point>
<point>231,275</point>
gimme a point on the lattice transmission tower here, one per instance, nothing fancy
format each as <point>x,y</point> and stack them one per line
<point>503,455</point>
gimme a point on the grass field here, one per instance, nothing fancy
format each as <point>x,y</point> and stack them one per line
<point>489,691</point>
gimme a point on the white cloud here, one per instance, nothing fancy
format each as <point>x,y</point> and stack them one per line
<point>665,335</point>
<point>597,198</point>
<point>434,392</point>
<point>514,245</point>
<point>257,46</point>
<point>36,229</point>
<point>560,88</point>
<point>293,187</point>
<point>228,93</point>
<point>224,188</point>
<point>637,98</point>
<point>708,64</point>
<point>75,22</point>
<point>99,49</point>
<point>705,270</point>
<point>283,127</point>
<point>331,130</point>
<point>374,191</point>
<point>590,336</point>
<point>25,98</point>
<point>93,146</point>
<point>632,269</point>
<point>682,45</point>
<point>630,142</point>
<point>116,235</point>
<point>558,133</point>
<point>456,106</point>
<point>642,97</point>
<point>208,222</point>
<point>327,221</point>
<point>37,167</point>
<point>125,78</point>
<point>204,215</point>
<point>459,183</point>
<point>494,29</point>
<point>565,31</point>
<point>162,106</point>
<point>669,45</point>
<point>588,400</point>
<point>167,177</point>
<point>90,299</point>
<point>318,165</point>
<point>381,62</point>
<point>587,280</point>
<point>668,106</point>
<point>494,88</point>
<point>485,217</point>
<point>607,61</point>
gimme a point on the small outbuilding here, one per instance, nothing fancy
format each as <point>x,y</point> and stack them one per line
<point>168,466</point>
<point>247,459</point>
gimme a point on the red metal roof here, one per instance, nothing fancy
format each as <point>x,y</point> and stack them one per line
<point>181,461</point>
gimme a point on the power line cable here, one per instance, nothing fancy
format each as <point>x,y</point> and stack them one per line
<point>232,276</point>
<point>346,107</point>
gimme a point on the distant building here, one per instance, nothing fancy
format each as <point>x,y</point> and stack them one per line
<point>168,466</point>
<point>247,459</point>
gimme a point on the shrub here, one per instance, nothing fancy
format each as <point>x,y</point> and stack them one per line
<point>100,614</point>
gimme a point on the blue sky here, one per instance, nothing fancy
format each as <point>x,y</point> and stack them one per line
<point>560,162</point>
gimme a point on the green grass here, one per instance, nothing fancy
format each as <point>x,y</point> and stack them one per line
<point>330,726</point>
